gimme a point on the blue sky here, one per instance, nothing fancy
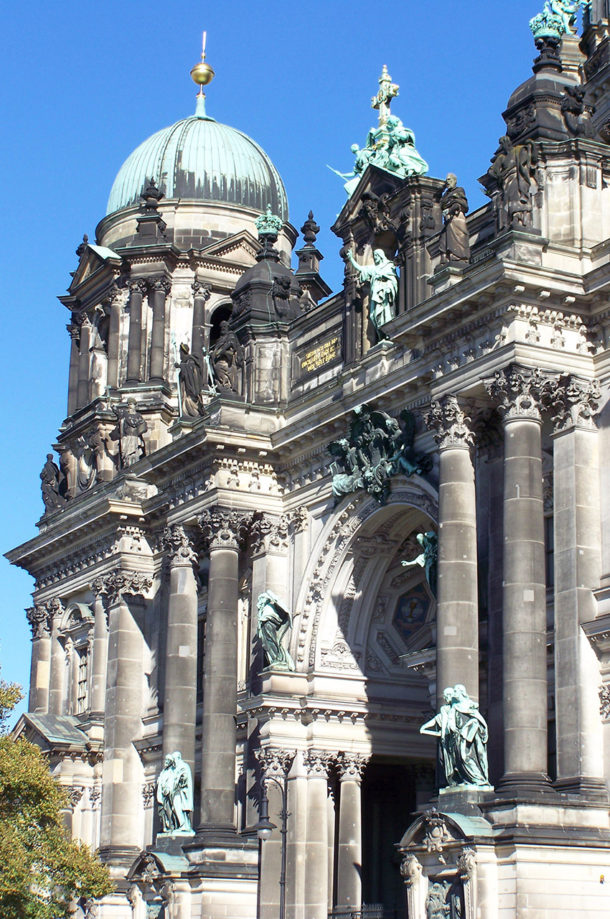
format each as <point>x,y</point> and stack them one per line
<point>85,83</point>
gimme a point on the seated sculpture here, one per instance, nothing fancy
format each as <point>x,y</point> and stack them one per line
<point>175,796</point>
<point>462,736</point>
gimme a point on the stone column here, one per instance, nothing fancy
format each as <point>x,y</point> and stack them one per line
<point>180,697</point>
<point>577,559</point>
<point>457,610</point>
<point>275,766</point>
<point>137,291</point>
<point>114,335</point>
<point>74,330</point>
<point>58,659</point>
<point>84,361</point>
<point>518,392</point>
<point>99,657</point>
<point>316,868</point>
<point>218,755</point>
<point>39,619</point>
<point>349,857</point>
<point>160,289</point>
<point>121,837</point>
<point>201,294</point>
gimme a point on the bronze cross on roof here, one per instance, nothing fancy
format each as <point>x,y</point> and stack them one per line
<point>383,99</point>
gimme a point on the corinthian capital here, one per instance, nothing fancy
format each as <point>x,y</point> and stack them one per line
<point>163,285</point>
<point>519,392</point>
<point>138,286</point>
<point>180,545</point>
<point>224,529</point>
<point>450,423</point>
<point>201,290</point>
<point>39,619</point>
<point>270,533</point>
<point>275,763</point>
<point>351,766</point>
<point>112,587</point>
<point>572,403</point>
<point>317,762</point>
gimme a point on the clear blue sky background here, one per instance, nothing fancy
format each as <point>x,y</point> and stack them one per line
<point>85,83</point>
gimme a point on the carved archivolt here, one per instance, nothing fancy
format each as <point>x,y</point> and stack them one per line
<point>331,549</point>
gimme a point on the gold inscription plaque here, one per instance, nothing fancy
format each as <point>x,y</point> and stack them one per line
<point>318,357</point>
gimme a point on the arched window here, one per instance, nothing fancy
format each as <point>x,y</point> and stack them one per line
<point>77,637</point>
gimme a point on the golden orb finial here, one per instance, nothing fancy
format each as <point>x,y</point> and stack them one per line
<point>202,73</point>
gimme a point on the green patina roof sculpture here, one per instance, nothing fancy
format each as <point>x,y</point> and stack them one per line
<point>557,18</point>
<point>390,145</point>
<point>199,158</point>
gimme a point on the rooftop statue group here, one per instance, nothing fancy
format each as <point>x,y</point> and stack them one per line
<point>377,448</point>
<point>462,738</point>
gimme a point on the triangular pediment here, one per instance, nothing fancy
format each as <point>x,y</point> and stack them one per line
<point>241,247</point>
<point>375,180</point>
<point>92,259</point>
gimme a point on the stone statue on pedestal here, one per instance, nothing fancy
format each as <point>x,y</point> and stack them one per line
<point>227,357</point>
<point>383,278</point>
<point>130,429</point>
<point>190,378</point>
<point>175,796</point>
<point>513,168</point>
<point>274,622</point>
<point>454,243</point>
<point>462,735</point>
<point>49,484</point>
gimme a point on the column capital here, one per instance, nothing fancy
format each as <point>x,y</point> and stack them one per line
<point>113,586</point>
<point>270,533</point>
<point>317,763</point>
<point>224,529</point>
<point>450,422</point>
<point>573,403</point>
<point>138,286</point>
<point>201,290</point>
<point>163,285</point>
<point>274,763</point>
<point>411,869</point>
<point>520,392</point>
<point>179,542</point>
<point>40,619</point>
<point>351,766</point>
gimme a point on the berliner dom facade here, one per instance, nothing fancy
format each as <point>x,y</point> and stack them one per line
<point>322,583</point>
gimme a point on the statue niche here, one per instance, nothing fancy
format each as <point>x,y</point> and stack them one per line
<point>512,175</point>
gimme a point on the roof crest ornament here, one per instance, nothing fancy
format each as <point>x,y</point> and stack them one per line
<point>387,91</point>
<point>202,74</point>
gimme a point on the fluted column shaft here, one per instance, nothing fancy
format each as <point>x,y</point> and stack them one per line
<point>84,361</point>
<point>99,657</point>
<point>114,338</point>
<point>39,619</point>
<point>120,834</point>
<point>160,289</point>
<point>316,867</point>
<point>201,294</point>
<point>457,612</point>
<point>180,698</point>
<point>524,590</point>
<point>74,330</point>
<point>349,856</point>
<point>137,291</point>
<point>577,562</point>
<point>218,755</point>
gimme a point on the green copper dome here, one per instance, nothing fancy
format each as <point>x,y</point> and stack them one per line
<point>198,158</point>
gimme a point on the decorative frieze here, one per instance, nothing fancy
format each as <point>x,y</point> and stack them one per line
<point>179,544</point>
<point>450,423</point>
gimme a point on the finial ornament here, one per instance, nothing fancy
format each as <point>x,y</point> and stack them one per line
<point>557,18</point>
<point>387,91</point>
<point>202,74</point>
<point>268,224</point>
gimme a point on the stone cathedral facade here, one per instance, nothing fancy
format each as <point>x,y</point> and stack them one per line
<point>207,380</point>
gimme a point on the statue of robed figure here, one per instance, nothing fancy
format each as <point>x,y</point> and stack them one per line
<point>175,796</point>
<point>462,736</point>
<point>274,622</point>
<point>383,279</point>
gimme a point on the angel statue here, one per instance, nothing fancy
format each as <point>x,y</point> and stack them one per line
<point>427,558</point>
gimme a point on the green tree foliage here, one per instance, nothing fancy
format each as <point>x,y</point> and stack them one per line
<point>42,871</point>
